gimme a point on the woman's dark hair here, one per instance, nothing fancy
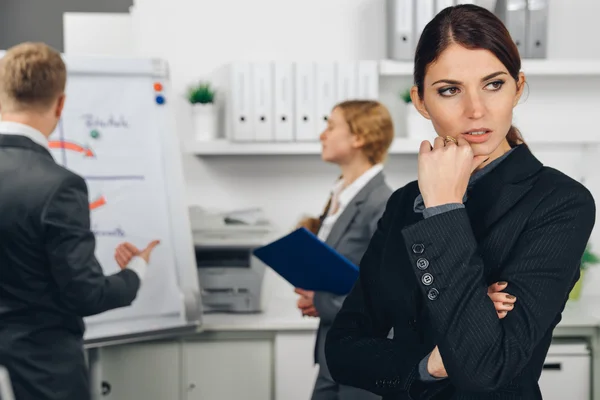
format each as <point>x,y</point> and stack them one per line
<point>472,27</point>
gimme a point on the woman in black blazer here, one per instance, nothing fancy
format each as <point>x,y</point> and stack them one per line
<point>484,209</point>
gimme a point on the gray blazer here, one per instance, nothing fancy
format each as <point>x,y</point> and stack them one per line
<point>350,236</point>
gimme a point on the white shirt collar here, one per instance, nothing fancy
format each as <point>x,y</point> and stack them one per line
<point>348,193</point>
<point>15,128</point>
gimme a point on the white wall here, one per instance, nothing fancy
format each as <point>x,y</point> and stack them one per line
<point>35,20</point>
<point>110,32</point>
<point>198,36</point>
<point>574,29</point>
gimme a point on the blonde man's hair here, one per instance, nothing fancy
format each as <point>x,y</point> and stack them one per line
<point>32,77</point>
<point>371,121</point>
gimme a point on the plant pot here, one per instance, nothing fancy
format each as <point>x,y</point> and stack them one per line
<point>205,122</point>
<point>576,291</point>
<point>417,126</point>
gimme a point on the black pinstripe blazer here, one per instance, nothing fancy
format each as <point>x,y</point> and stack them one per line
<point>522,223</point>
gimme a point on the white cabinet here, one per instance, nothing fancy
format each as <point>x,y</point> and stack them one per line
<point>295,371</point>
<point>149,371</point>
<point>567,372</point>
<point>228,369</point>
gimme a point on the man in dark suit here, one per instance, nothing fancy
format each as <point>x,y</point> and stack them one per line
<point>49,277</point>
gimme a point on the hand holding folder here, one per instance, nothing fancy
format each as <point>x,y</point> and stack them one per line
<point>306,262</point>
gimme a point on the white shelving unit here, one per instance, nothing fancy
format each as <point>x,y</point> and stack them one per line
<point>401,145</point>
<point>529,67</point>
<point>227,148</point>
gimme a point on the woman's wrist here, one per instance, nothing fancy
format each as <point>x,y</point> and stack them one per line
<point>441,201</point>
<point>435,365</point>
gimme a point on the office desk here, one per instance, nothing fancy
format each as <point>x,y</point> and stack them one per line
<point>262,356</point>
<point>291,339</point>
<point>581,320</point>
<point>280,315</point>
<point>251,356</point>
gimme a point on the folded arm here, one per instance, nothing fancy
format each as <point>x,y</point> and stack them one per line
<point>482,352</point>
<point>357,349</point>
<point>70,247</point>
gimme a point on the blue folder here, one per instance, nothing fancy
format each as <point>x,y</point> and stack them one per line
<point>306,262</point>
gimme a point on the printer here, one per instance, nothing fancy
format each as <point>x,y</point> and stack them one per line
<point>231,277</point>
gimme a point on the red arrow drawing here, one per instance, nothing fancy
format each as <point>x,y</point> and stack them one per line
<point>58,144</point>
<point>99,202</point>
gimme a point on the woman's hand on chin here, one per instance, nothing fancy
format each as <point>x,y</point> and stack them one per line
<point>444,170</point>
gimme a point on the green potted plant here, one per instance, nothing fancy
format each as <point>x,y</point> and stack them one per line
<point>202,98</point>
<point>588,259</point>
<point>417,126</point>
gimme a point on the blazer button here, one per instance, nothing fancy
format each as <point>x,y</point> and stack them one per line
<point>427,279</point>
<point>433,294</point>
<point>418,248</point>
<point>422,264</point>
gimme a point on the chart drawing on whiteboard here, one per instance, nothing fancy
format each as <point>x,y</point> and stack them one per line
<point>113,144</point>
<point>86,151</point>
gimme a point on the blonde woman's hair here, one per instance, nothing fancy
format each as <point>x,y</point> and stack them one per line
<point>32,77</point>
<point>370,120</point>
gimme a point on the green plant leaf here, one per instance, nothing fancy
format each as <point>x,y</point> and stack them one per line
<point>405,96</point>
<point>589,258</point>
<point>201,93</point>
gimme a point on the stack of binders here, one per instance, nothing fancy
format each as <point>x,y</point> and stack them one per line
<point>526,21</point>
<point>291,101</point>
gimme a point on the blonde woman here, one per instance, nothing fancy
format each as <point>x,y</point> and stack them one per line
<point>357,139</point>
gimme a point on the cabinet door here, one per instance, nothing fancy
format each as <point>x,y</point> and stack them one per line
<point>228,369</point>
<point>566,377</point>
<point>295,369</point>
<point>148,371</point>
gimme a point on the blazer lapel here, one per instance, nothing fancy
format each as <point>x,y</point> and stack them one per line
<point>498,191</point>
<point>343,222</point>
<point>341,225</point>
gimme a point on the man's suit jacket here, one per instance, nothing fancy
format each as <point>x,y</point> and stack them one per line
<point>427,278</point>
<point>49,277</point>
<point>350,236</point>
